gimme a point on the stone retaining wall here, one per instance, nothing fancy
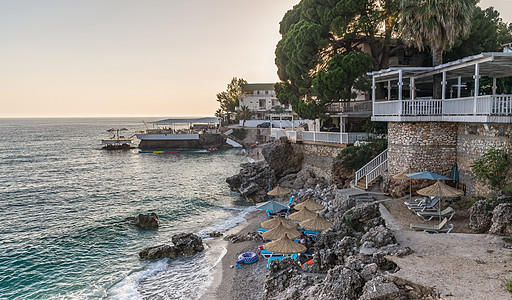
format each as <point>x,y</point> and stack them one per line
<point>422,146</point>
<point>472,141</point>
<point>436,146</point>
<point>319,157</point>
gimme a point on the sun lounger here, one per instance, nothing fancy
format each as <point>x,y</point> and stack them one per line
<point>427,207</point>
<point>266,254</point>
<point>417,201</point>
<point>261,230</point>
<point>272,214</point>
<point>442,227</point>
<point>429,215</point>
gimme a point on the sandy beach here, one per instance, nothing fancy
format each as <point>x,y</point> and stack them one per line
<point>244,283</point>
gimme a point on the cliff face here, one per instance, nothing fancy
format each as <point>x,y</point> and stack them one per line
<point>255,179</point>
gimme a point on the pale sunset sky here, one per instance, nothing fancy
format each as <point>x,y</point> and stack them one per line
<point>115,58</point>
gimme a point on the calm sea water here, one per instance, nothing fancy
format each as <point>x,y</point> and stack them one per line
<point>63,203</point>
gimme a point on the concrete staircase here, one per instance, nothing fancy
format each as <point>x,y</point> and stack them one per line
<point>233,140</point>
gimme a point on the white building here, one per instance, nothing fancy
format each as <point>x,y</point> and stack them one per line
<point>261,98</point>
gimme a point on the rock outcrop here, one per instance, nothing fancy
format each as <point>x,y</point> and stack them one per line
<point>482,211</point>
<point>282,157</point>
<point>502,219</point>
<point>349,260</point>
<point>253,181</point>
<point>147,221</point>
<point>184,244</point>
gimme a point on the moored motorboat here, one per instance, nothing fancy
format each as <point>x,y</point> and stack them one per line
<point>117,141</point>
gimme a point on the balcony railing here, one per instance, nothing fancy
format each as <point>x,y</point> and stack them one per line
<point>320,136</point>
<point>350,106</point>
<point>490,105</point>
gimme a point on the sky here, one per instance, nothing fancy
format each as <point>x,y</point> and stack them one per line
<point>127,58</point>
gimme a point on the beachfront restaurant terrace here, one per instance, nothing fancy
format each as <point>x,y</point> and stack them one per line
<point>410,91</point>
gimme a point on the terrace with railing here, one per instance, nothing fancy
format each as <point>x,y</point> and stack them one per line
<point>345,138</point>
<point>495,108</point>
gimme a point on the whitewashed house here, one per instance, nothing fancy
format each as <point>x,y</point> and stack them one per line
<point>261,99</point>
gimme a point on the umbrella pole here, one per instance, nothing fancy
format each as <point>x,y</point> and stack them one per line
<point>410,189</point>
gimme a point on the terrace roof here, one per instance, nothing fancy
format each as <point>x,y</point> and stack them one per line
<point>188,120</point>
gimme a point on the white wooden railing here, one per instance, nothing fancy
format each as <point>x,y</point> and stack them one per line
<point>373,169</point>
<point>500,105</point>
<point>321,136</point>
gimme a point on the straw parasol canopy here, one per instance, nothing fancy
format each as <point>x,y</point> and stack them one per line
<point>279,191</point>
<point>440,189</point>
<point>279,232</point>
<point>284,246</point>
<point>302,215</point>
<point>274,222</point>
<point>317,223</point>
<point>310,204</point>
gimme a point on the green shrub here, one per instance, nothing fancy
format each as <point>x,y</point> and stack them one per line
<point>355,157</point>
<point>509,285</point>
<point>491,168</point>
<point>240,133</point>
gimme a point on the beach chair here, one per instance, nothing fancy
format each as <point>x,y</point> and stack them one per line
<point>417,201</point>
<point>429,215</point>
<point>431,206</point>
<point>311,233</point>
<point>261,230</point>
<point>273,214</point>
<point>442,227</point>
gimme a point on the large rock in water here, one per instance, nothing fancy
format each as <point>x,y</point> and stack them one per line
<point>146,221</point>
<point>282,158</point>
<point>184,244</point>
<point>253,181</point>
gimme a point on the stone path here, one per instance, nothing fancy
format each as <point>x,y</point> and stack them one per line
<point>457,265</point>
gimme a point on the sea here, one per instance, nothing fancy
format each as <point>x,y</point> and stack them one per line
<point>64,201</point>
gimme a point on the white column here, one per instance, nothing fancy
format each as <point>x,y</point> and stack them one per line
<point>477,86</point>
<point>400,83</point>
<point>413,89</point>
<point>280,121</point>
<point>293,125</point>
<point>443,84</point>
<point>373,95</point>
<point>494,87</point>
<point>459,83</point>
<point>389,90</point>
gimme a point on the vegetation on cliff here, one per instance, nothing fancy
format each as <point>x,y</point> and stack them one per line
<point>494,168</point>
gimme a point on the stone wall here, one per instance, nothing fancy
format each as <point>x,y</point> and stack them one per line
<point>472,141</point>
<point>436,146</point>
<point>319,158</point>
<point>422,146</point>
<point>205,141</point>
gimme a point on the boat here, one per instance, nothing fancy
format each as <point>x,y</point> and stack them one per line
<point>181,133</point>
<point>117,141</point>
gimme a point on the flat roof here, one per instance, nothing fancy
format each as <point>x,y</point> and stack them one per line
<point>188,120</point>
<point>494,64</point>
<point>258,86</point>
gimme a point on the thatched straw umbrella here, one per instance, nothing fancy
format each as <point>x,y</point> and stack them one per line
<point>284,246</point>
<point>279,191</point>
<point>272,223</point>
<point>302,215</point>
<point>309,204</point>
<point>280,231</point>
<point>441,190</point>
<point>317,223</point>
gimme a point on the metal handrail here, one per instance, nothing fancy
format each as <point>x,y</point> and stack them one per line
<point>372,165</point>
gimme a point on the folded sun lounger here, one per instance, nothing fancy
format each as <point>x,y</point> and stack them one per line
<point>429,215</point>
<point>417,201</point>
<point>442,227</point>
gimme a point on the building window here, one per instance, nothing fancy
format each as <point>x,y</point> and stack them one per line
<point>473,129</point>
<point>266,92</point>
<point>262,104</point>
<point>501,131</point>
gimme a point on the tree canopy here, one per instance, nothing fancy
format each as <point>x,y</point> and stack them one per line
<point>322,42</point>
<point>229,99</point>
